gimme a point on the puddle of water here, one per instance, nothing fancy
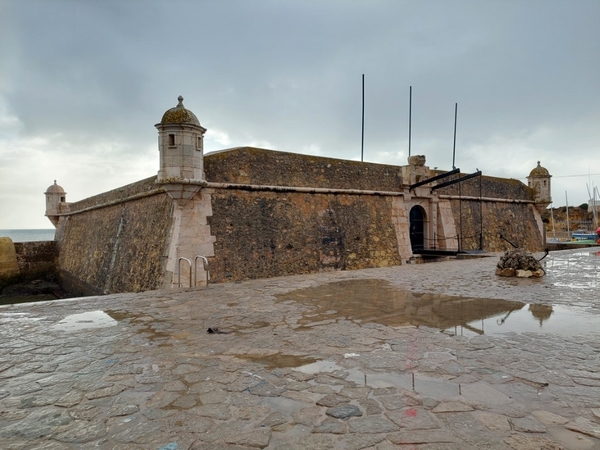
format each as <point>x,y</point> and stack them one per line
<point>278,360</point>
<point>561,320</point>
<point>426,386</point>
<point>376,301</point>
<point>151,328</point>
<point>578,270</point>
<point>86,320</point>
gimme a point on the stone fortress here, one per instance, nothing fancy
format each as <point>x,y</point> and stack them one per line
<point>256,213</point>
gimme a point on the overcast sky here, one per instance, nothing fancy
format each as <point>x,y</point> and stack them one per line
<point>82,84</point>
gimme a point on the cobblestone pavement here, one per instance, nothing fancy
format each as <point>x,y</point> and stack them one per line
<point>286,367</point>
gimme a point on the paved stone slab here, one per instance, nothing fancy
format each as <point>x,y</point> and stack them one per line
<point>548,418</point>
<point>331,425</point>
<point>344,411</point>
<point>527,425</point>
<point>484,394</point>
<point>332,400</point>
<point>585,426</point>
<point>448,407</point>
<point>157,378</point>
<point>421,437</point>
<point>493,421</point>
<point>414,419</point>
<point>372,424</point>
<point>524,442</point>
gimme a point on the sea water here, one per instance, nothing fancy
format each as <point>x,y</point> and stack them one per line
<point>29,235</point>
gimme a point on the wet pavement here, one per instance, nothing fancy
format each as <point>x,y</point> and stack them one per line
<point>431,356</point>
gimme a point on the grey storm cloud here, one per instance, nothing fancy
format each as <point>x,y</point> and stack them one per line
<point>287,74</point>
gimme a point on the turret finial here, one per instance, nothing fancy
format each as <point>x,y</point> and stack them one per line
<point>180,98</point>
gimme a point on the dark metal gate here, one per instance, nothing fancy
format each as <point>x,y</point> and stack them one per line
<point>417,228</point>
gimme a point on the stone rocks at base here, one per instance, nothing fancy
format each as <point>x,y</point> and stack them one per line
<point>519,263</point>
<point>332,400</point>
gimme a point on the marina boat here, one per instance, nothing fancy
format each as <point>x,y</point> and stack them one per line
<point>584,235</point>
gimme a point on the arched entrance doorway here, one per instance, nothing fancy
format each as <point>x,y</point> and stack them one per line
<point>417,228</point>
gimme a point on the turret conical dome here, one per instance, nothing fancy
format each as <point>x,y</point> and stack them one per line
<point>179,114</point>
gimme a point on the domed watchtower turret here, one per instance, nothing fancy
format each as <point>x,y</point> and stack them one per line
<point>181,145</point>
<point>55,195</point>
<point>539,181</point>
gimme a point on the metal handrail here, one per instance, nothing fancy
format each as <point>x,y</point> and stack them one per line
<point>179,270</point>
<point>205,265</point>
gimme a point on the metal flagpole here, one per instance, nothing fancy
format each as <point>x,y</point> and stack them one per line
<point>454,146</point>
<point>362,139</point>
<point>409,119</point>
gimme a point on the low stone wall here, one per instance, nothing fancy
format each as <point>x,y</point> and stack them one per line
<point>36,258</point>
<point>248,165</point>
<point>25,261</point>
<point>9,266</point>
<point>118,248</point>
<point>266,234</point>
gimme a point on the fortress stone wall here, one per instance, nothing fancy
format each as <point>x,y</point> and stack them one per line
<point>115,247</point>
<point>506,207</point>
<point>256,213</point>
<point>517,222</point>
<point>265,234</point>
<point>122,240</point>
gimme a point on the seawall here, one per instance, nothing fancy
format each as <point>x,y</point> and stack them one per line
<point>26,261</point>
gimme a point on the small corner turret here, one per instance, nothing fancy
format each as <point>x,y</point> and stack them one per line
<point>181,145</point>
<point>55,196</point>
<point>181,148</point>
<point>539,181</point>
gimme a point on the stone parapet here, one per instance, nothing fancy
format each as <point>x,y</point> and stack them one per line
<point>491,187</point>
<point>248,165</point>
<point>143,186</point>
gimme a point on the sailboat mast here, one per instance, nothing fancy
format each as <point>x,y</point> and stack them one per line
<point>553,229</point>
<point>568,226</point>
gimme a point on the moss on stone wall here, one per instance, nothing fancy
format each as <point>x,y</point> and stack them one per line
<point>265,234</point>
<point>119,248</point>
<point>247,165</point>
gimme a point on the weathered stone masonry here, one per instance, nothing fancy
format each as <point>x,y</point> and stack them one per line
<point>507,209</point>
<point>263,234</point>
<point>259,213</point>
<point>116,247</point>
